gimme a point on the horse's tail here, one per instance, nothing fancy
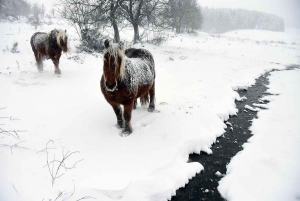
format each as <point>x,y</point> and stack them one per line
<point>144,99</point>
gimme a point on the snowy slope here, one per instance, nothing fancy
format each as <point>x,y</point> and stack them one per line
<point>55,116</point>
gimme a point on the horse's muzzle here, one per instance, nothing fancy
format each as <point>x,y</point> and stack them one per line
<point>110,87</point>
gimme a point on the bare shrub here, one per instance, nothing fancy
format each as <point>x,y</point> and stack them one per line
<point>58,167</point>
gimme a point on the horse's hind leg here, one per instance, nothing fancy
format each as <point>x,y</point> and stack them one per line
<point>134,104</point>
<point>39,62</point>
<point>144,99</point>
<point>119,114</point>
<point>152,98</point>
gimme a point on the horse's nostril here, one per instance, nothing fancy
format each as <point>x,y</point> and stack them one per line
<point>110,86</point>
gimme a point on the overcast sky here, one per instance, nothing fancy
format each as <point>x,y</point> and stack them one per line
<point>288,9</point>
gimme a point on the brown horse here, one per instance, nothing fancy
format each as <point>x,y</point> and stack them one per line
<point>127,75</point>
<point>49,45</point>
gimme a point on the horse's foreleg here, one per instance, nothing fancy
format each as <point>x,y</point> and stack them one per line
<point>127,117</point>
<point>56,66</point>
<point>118,112</point>
<point>55,60</point>
<point>152,98</point>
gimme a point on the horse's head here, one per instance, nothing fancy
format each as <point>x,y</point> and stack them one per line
<point>62,39</point>
<point>113,64</point>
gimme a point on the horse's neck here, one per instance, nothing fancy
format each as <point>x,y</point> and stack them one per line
<point>53,41</point>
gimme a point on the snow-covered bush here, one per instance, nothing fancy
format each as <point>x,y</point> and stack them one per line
<point>93,41</point>
<point>14,48</point>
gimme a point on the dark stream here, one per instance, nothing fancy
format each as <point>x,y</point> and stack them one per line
<point>204,185</point>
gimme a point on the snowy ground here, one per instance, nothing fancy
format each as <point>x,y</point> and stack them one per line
<point>56,116</point>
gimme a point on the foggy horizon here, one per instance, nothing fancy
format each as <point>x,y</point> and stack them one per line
<point>287,9</point>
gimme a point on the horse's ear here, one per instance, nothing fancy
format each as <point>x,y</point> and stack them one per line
<point>121,45</point>
<point>106,43</point>
<point>65,30</point>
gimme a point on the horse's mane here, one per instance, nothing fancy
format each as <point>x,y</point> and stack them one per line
<point>60,35</point>
<point>114,51</point>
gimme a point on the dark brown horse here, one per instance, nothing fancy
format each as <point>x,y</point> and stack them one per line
<point>127,75</point>
<point>49,45</point>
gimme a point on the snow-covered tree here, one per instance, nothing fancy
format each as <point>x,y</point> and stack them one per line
<point>185,15</point>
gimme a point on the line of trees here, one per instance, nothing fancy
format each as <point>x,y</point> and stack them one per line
<point>90,16</point>
<point>220,20</point>
<point>14,8</point>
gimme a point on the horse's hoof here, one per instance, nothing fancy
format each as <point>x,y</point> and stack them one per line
<point>151,109</point>
<point>57,72</point>
<point>120,125</point>
<point>125,134</point>
<point>127,131</point>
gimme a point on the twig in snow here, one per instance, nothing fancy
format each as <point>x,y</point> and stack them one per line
<point>71,194</point>
<point>13,133</point>
<point>13,118</point>
<point>60,194</point>
<point>86,197</point>
<point>13,146</point>
<point>18,64</point>
<point>54,166</point>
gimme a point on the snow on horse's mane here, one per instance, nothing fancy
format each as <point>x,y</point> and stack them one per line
<point>115,52</point>
<point>60,35</point>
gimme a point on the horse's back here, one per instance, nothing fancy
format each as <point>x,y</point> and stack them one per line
<point>143,54</point>
<point>37,38</point>
<point>138,53</point>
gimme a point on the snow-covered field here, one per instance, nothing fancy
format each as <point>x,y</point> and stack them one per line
<point>59,138</point>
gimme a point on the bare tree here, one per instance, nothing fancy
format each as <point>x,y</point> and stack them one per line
<point>114,16</point>
<point>138,12</point>
<point>82,15</point>
<point>89,16</point>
